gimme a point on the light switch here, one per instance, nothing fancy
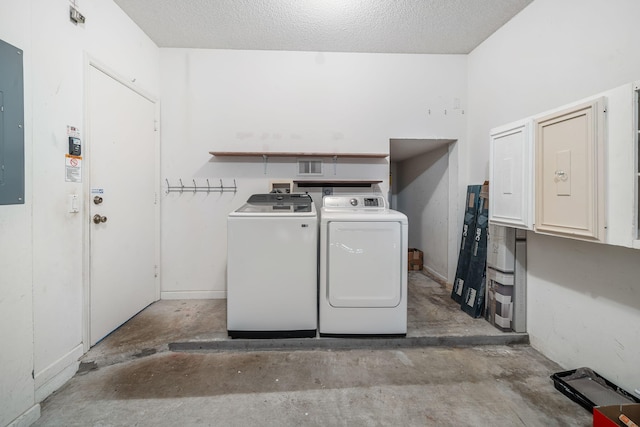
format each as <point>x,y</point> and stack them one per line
<point>73,203</point>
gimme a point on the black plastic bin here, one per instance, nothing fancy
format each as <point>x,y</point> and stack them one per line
<point>589,389</point>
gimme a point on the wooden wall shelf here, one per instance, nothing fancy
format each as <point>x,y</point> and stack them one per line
<point>294,154</point>
<point>335,183</point>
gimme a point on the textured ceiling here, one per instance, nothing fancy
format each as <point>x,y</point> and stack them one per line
<point>377,26</point>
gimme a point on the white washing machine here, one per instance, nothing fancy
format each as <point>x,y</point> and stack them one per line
<point>272,266</point>
<point>363,267</point>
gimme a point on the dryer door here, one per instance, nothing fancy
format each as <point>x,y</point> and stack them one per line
<point>364,264</point>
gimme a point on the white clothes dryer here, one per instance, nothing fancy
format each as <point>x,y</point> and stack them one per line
<point>272,267</point>
<point>363,267</point>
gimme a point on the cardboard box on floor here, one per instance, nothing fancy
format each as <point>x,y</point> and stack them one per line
<point>499,299</point>
<point>608,416</point>
<point>416,259</point>
<point>506,278</point>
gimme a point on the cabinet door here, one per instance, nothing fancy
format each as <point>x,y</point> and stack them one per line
<point>510,189</point>
<point>569,172</point>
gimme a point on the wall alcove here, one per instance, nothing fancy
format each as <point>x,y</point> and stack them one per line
<point>423,185</point>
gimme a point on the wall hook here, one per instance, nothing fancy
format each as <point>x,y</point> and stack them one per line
<point>199,189</point>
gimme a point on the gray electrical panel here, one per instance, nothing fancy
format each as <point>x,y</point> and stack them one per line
<point>11,125</point>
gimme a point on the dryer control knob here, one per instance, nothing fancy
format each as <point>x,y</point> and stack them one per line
<point>354,202</point>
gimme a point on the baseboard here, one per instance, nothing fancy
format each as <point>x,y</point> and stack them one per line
<point>193,295</point>
<point>55,375</point>
<point>435,276</point>
<point>27,418</point>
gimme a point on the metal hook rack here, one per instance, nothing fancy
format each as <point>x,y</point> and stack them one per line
<point>195,188</point>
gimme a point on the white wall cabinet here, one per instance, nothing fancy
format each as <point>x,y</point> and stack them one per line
<point>511,175</point>
<point>573,171</point>
<point>570,172</point>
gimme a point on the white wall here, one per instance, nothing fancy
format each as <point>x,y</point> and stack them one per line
<point>216,100</point>
<point>423,195</point>
<point>583,298</point>
<point>42,245</point>
<point>16,261</point>
<point>60,50</point>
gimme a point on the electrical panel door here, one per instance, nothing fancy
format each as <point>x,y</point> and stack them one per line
<point>11,125</point>
<point>569,172</point>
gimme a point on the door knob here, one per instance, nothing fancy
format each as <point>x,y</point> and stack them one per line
<point>97,219</point>
<point>97,200</point>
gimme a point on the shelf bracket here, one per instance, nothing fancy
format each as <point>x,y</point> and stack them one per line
<point>265,158</point>
<point>335,165</point>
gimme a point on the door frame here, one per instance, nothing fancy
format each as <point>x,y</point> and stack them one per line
<point>91,62</point>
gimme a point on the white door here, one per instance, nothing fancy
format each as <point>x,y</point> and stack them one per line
<point>123,207</point>
<point>364,264</point>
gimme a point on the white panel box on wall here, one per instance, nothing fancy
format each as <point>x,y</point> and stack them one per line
<point>511,180</point>
<point>570,172</point>
<point>501,248</point>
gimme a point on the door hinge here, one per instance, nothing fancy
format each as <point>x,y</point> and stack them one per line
<point>155,125</point>
<point>155,271</point>
<point>155,198</point>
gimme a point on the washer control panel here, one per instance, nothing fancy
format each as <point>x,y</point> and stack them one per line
<point>355,202</point>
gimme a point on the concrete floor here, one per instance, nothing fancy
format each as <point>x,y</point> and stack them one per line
<point>173,364</point>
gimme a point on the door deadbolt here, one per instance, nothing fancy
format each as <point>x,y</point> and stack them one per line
<point>97,219</point>
<point>97,200</point>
